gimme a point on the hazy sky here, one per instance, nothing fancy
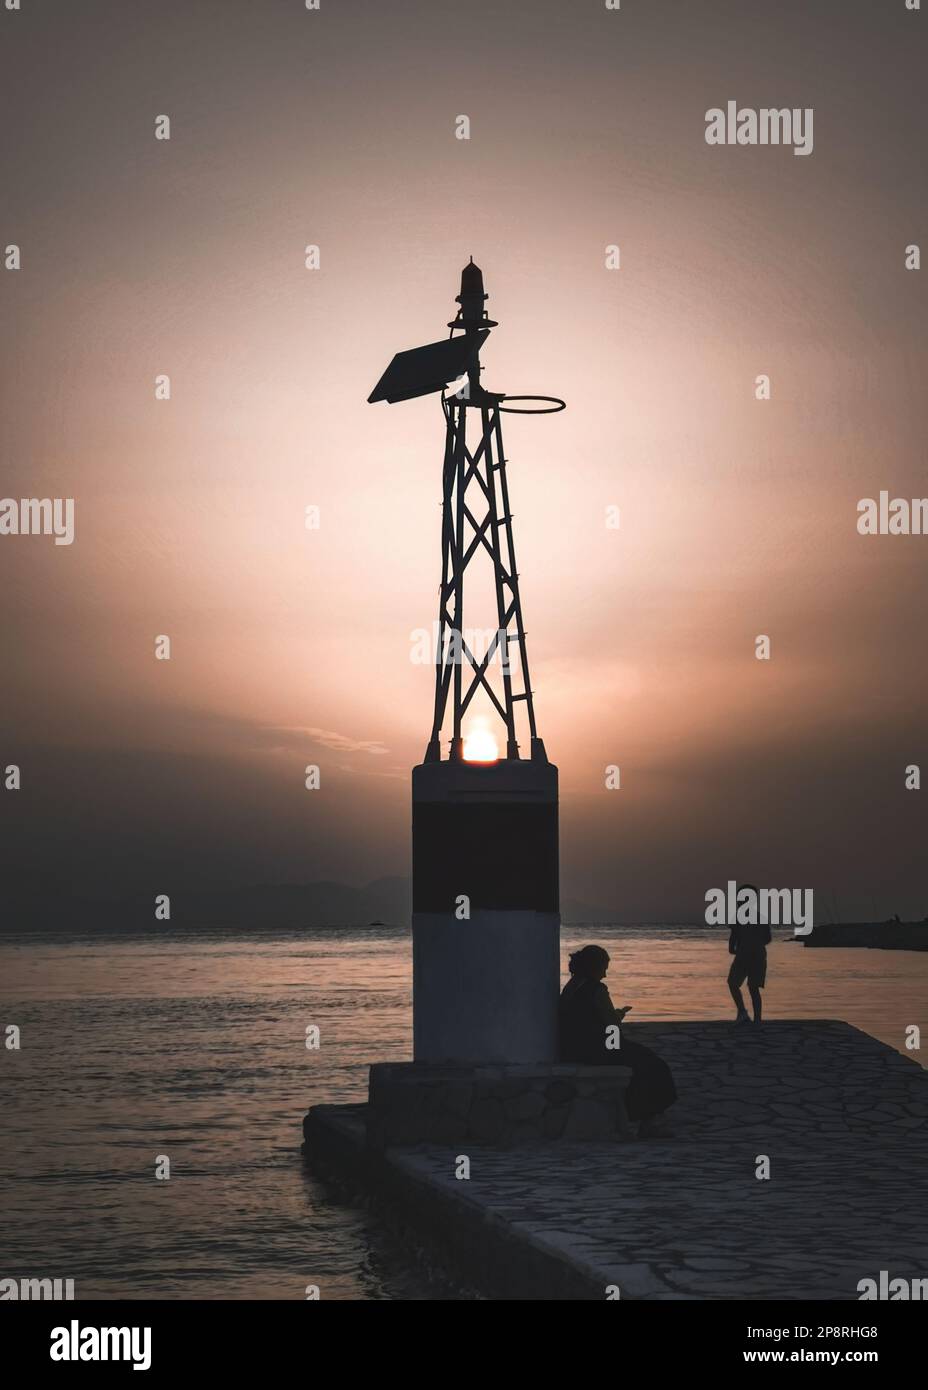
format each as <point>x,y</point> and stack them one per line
<point>738,516</point>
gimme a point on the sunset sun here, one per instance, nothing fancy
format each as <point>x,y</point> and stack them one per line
<point>480,745</point>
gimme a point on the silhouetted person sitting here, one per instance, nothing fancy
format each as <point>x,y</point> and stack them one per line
<point>748,944</point>
<point>587,1022</point>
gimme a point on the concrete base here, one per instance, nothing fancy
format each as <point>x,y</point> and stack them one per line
<point>485,990</point>
<point>413,1104</point>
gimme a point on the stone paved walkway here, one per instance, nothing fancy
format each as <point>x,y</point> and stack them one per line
<point>842,1118</point>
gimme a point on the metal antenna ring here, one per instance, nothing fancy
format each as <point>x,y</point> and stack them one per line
<point>557,404</point>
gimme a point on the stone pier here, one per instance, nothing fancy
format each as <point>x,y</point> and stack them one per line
<point>837,1119</point>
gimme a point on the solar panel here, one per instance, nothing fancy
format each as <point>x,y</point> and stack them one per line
<point>425,369</point>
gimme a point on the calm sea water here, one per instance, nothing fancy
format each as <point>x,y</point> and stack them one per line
<point>193,1046</point>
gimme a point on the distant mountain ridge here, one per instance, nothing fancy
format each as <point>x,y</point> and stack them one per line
<point>36,905</point>
<point>386,901</point>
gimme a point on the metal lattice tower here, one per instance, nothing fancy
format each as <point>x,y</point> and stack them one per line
<point>476,522</point>
<point>476,516</point>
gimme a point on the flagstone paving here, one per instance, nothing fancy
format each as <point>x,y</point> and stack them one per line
<point>837,1119</point>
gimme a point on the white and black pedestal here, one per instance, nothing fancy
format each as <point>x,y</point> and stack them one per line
<point>486,921</point>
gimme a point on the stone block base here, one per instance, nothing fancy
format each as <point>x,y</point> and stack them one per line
<point>414,1103</point>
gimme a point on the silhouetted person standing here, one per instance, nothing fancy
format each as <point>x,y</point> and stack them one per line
<point>586,1015</point>
<point>748,944</point>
